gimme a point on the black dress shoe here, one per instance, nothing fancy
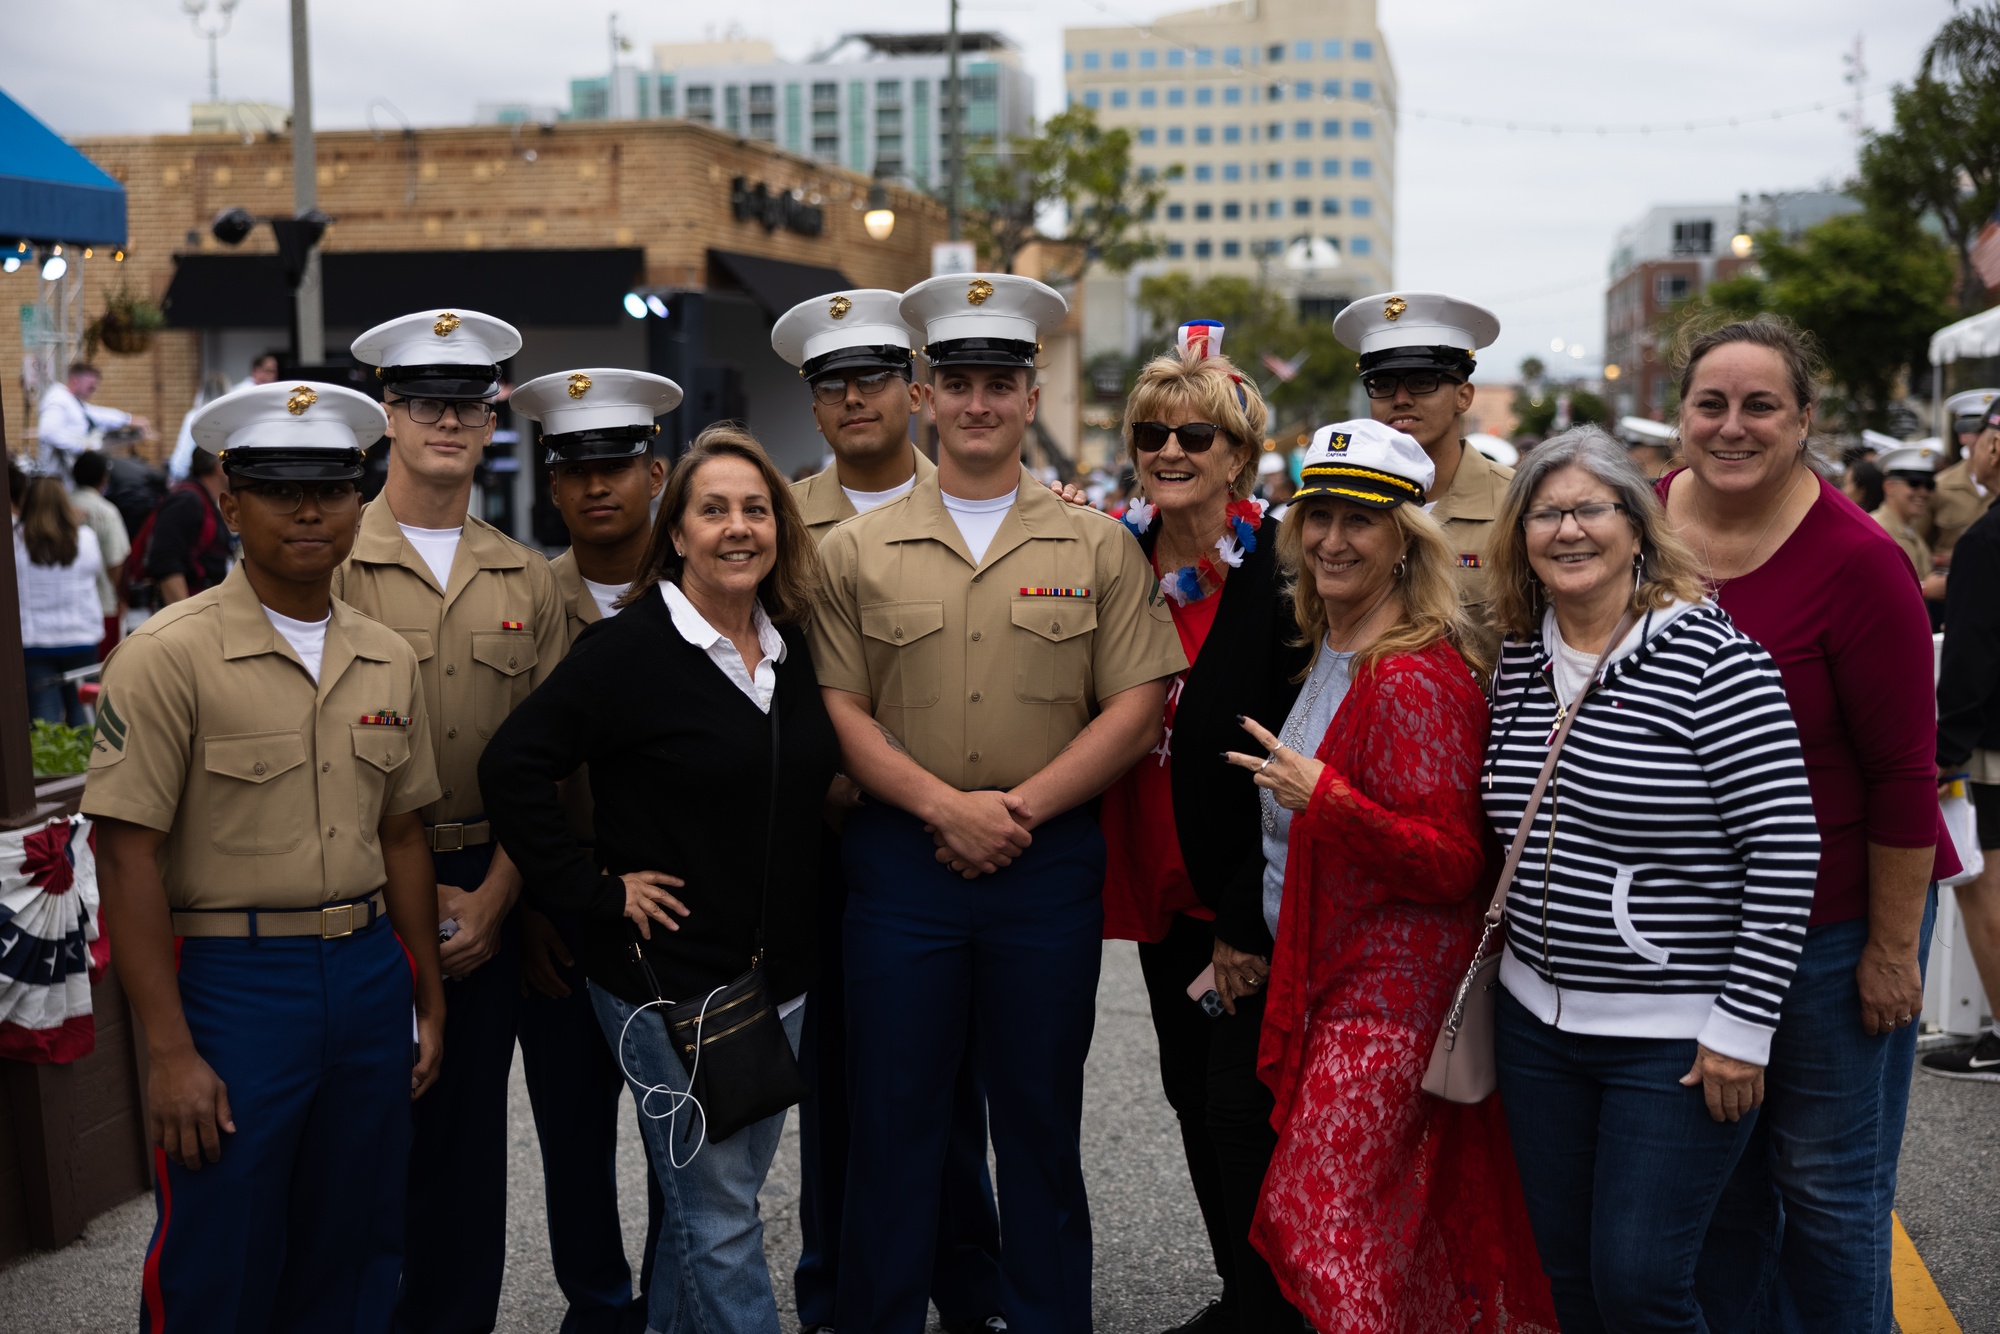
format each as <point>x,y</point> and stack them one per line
<point>1218,1317</point>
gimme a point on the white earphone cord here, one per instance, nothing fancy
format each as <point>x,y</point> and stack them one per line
<point>677,1099</point>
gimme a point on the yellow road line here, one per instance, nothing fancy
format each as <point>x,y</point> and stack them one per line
<point>1920,1307</point>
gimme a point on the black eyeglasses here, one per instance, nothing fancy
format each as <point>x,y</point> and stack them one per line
<point>1418,383</point>
<point>1587,516</point>
<point>1919,480</point>
<point>469,413</point>
<point>1195,437</point>
<point>286,497</point>
<point>833,390</point>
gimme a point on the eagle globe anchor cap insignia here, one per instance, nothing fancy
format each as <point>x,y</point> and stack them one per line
<point>1393,309</point>
<point>976,294</point>
<point>300,399</point>
<point>579,385</point>
<point>445,324</point>
<point>839,307</point>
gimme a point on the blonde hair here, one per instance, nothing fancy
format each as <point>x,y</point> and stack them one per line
<point>1212,389</point>
<point>1668,569</point>
<point>1431,609</point>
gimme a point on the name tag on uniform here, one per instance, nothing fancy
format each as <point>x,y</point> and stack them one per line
<point>512,625</point>
<point>386,719</point>
<point>1055,592</point>
<point>1471,560</point>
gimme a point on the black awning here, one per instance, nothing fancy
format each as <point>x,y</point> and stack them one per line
<point>363,288</point>
<point>777,284</point>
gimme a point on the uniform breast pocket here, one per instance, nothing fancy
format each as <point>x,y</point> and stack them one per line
<point>260,793</point>
<point>501,678</point>
<point>905,651</point>
<point>1052,649</point>
<point>378,752</point>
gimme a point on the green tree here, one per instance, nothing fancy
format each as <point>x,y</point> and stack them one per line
<point>1536,415</point>
<point>1940,159</point>
<point>1871,289</point>
<point>1082,168</point>
<point>1257,320</point>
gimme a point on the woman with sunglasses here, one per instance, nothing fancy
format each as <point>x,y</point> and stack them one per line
<point>1181,828</point>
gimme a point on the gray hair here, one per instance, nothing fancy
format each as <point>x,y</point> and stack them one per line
<point>1594,450</point>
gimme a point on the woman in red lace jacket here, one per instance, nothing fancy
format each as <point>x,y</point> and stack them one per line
<point>1384,1209</point>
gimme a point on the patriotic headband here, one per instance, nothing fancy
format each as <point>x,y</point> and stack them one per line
<point>1203,339</point>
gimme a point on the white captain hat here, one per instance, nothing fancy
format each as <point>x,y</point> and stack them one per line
<point>291,431</point>
<point>983,319</point>
<point>841,332</point>
<point>600,413</point>
<point>1417,331</point>
<point>1367,463</point>
<point>1919,456</point>
<point>1973,403</point>
<point>439,353</point>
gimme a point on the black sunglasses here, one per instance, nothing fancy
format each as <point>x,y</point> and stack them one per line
<point>468,413</point>
<point>1195,437</point>
<point>1419,383</point>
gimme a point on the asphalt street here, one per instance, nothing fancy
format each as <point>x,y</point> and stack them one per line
<point>1152,1266</point>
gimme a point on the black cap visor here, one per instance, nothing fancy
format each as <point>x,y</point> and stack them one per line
<point>452,382</point>
<point>868,359</point>
<point>611,442</point>
<point>981,352</point>
<point>1363,486</point>
<point>1453,360</point>
<point>293,465</point>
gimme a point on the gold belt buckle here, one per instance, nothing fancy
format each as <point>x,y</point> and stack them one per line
<point>448,837</point>
<point>341,913</point>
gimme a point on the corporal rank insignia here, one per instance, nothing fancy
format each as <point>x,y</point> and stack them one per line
<point>386,718</point>
<point>512,625</point>
<point>1471,560</point>
<point>1055,592</point>
<point>110,727</point>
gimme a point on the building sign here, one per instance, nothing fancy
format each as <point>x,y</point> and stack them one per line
<point>953,257</point>
<point>775,209</point>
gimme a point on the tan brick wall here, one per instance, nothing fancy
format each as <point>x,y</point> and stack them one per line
<point>662,186</point>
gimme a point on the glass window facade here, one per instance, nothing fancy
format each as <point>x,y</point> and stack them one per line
<point>1232,171</point>
<point>1176,135</point>
<point>1119,97</point>
<point>1204,134</point>
<point>1149,97</point>
<point>1090,60</point>
<point>1232,96</point>
<point>1120,59</point>
<point>1204,96</point>
<point>1330,167</point>
<point>1302,129</point>
<point>1364,50</point>
<point>1203,249</point>
<point>1364,129</point>
<point>1362,208</point>
<point>1360,245</point>
<point>1148,135</point>
<point>1363,167</point>
<point>1232,249</point>
<point>1302,208</point>
<point>1203,172</point>
<point>1364,91</point>
<point>1091,99</point>
<point>1232,134</point>
<point>1302,50</point>
<point>1176,97</point>
<point>1329,208</point>
<point>1330,48</point>
<point>1148,59</point>
<point>1176,57</point>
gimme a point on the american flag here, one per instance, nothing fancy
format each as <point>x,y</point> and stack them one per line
<point>1986,255</point>
<point>1284,370</point>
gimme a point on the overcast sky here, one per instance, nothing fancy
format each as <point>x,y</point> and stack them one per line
<point>1521,221</point>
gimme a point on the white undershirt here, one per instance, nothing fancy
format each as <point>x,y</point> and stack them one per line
<point>438,546</point>
<point>863,501</point>
<point>979,520</point>
<point>307,638</point>
<point>604,595</point>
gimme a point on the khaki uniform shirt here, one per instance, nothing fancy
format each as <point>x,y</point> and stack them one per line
<point>1908,538</point>
<point>823,504</point>
<point>476,668</point>
<point>1954,506</point>
<point>982,679</point>
<point>270,789</point>
<point>1467,513</point>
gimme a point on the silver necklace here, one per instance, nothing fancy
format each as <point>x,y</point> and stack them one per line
<point>1708,557</point>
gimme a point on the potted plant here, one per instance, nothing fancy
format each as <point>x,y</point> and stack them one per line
<point>128,323</point>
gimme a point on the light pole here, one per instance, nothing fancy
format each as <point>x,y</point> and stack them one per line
<point>308,304</point>
<point>954,149</point>
<point>215,29</point>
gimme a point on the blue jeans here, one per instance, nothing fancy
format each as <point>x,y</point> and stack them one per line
<point>48,695</point>
<point>709,1274</point>
<point>1800,1241</point>
<point>1621,1166</point>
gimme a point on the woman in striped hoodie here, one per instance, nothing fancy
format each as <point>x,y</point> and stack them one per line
<point>1661,901</point>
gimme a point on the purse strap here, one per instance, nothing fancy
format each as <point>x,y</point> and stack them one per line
<point>770,838</point>
<point>1497,909</point>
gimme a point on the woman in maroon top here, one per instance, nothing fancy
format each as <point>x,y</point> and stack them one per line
<point>1182,831</point>
<point>1831,598</point>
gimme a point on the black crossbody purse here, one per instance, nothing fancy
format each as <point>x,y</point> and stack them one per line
<point>739,1062</point>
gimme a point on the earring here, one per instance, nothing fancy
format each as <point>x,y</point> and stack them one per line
<point>1398,568</point>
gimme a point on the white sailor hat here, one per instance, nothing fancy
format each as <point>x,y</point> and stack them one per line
<point>1919,456</point>
<point>291,431</point>
<point>439,353</point>
<point>861,330</point>
<point>1969,403</point>
<point>600,413</point>
<point>1367,463</point>
<point>1416,331</point>
<point>983,319</point>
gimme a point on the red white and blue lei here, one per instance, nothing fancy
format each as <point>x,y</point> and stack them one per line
<point>1191,583</point>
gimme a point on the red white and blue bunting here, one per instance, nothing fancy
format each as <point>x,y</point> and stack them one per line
<point>51,948</point>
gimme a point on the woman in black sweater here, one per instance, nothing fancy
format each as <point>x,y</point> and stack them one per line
<point>1191,429</point>
<point>672,704</point>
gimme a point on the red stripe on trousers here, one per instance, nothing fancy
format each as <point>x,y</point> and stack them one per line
<point>149,1283</point>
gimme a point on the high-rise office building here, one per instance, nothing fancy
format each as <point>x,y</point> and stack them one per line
<point>1281,118</point>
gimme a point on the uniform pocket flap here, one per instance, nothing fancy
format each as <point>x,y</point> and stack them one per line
<point>508,652</point>
<point>420,642</point>
<point>387,748</point>
<point>254,757</point>
<point>1055,619</point>
<point>902,622</point>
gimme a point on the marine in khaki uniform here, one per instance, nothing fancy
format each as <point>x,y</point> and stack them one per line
<point>261,754</point>
<point>481,611</point>
<point>1418,351</point>
<point>992,659</point>
<point>1959,499</point>
<point>854,353</point>
<point>1908,482</point>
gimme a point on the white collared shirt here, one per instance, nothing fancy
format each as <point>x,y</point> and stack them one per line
<point>65,423</point>
<point>758,686</point>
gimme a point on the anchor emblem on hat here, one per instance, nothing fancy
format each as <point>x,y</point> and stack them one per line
<point>1393,309</point>
<point>579,385</point>
<point>839,307</point>
<point>1339,442</point>
<point>300,399</point>
<point>445,324</point>
<point>976,294</point>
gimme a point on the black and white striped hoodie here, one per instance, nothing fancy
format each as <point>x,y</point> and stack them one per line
<point>1664,889</point>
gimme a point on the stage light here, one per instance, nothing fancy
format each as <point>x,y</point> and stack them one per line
<point>635,305</point>
<point>657,306</point>
<point>54,267</point>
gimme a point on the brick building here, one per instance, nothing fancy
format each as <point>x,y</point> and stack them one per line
<point>549,228</point>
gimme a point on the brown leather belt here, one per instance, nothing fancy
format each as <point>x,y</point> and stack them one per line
<point>328,923</point>
<point>457,837</point>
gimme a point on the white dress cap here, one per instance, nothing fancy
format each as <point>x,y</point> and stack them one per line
<point>1367,463</point>
<point>602,412</point>
<point>983,319</point>
<point>1918,456</point>
<point>1416,331</point>
<point>1969,403</point>
<point>860,330</point>
<point>290,430</point>
<point>440,353</point>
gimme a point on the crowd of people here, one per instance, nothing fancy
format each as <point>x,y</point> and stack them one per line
<point>828,794</point>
